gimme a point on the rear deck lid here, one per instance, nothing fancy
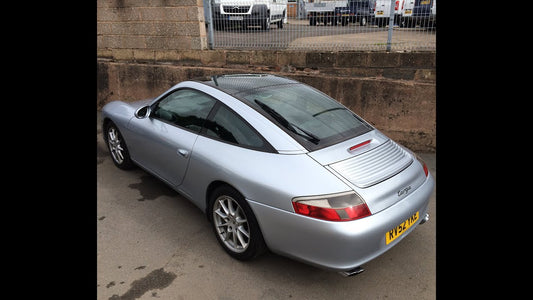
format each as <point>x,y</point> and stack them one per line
<point>365,160</point>
<point>372,167</point>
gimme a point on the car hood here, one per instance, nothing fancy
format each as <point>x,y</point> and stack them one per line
<point>374,166</point>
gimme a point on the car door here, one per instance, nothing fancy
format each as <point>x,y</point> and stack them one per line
<point>166,138</point>
<point>226,143</point>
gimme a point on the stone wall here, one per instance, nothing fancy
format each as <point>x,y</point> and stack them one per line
<point>393,91</point>
<point>151,24</point>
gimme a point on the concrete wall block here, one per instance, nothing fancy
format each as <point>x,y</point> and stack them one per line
<point>238,57</point>
<point>199,43</point>
<point>174,14</point>
<point>291,58</point>
<point>263,58</point>
<point>383,59</point>
<point>168,43</point>
<point>140,3</point>
<point>144,55</point>
<point>351,59</point>
<point>123,14</point>
<point>320,59</point>
<point>133,42</point>
<point>424,60</point>
<point>426,75</point>
<point>189,57</point>
<point>123,54</point>
<point>213,58</point>
<point>195,13</point>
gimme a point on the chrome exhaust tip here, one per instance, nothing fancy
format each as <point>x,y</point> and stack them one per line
<point>352,272</point>
<point>424,219</point>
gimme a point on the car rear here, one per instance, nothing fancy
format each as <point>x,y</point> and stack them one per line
<point>344,246</point>
<point>385,187</point>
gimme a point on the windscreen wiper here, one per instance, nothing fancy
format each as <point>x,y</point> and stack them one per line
<point>285,123</point>
<point>328,110</point>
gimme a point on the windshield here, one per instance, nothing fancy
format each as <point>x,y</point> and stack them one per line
<point>309,116</point>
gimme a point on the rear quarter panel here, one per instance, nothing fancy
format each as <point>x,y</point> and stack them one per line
<point>269,178</point>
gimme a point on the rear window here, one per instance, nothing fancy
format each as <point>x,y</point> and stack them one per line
<point>312,118</point>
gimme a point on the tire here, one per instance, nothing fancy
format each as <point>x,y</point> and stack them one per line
<point>234,224</point>
<point>266,24</point>
<point>362,21</point>
<point>344,21</point>
<point>117,147</point>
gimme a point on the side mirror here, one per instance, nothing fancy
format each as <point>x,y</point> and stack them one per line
<point>142,112</point>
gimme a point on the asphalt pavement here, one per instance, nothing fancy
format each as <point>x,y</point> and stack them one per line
<point>154,244</point>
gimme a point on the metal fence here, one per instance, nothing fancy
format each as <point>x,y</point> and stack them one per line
<point>374,25</point>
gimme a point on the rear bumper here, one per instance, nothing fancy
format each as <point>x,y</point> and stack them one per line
<point>339,246</point>
<point>245,19</point>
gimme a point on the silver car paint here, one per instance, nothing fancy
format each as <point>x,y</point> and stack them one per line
<point>269,181</point>
<point>338,246</point>
<point>269,178</point>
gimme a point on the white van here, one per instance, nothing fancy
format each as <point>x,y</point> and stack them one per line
<point>249,13</point>
<point>418,12</point>
<point>382,12</point>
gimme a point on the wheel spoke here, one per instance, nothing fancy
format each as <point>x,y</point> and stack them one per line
<point>221,214</point>
<point>231,209</point>
<point>119,155</point>
<point>242,230</point>
<point>222,225</point>
<point>224,207</point>
<point>241,239</point>
<point>236,241</point>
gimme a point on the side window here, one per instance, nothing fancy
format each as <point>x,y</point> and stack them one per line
<point>185,108</point>
<point>229,127</point>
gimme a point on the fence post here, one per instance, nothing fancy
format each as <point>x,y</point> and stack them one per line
<point>391,24</point>
<point>210,36</point>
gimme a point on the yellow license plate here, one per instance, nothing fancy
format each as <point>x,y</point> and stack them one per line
<point>400,229</point>
<point>380,12</point>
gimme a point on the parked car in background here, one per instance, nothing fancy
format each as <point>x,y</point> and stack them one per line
<point>382,12</point>
<point>263,13</point>
<point>418,12</point>
<point>276,164</point>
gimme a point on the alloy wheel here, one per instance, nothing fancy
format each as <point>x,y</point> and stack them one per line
<point>231,224</point>
<point>115,146</point>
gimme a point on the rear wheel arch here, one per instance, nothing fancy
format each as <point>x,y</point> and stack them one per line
<point>209,191</point>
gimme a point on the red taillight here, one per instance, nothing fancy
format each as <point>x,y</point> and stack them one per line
<point>426,171</point>
<point>337,207</point>
<point>332,214</point>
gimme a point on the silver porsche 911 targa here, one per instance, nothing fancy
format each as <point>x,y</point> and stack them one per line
<point>276,164</point>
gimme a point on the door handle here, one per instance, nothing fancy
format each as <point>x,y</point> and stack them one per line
<point>183,153</point>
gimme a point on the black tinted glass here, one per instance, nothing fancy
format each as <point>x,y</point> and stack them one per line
<point>311,117</point>
<point>227,126</point>
<point>185,108</point>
